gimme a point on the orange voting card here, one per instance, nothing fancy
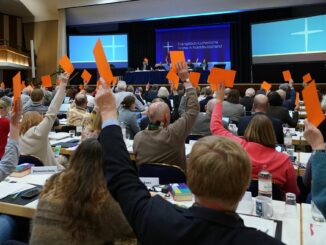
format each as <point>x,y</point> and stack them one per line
<point>266,86</point>
<point>46,81</point>
<point>98,85</point>
<point>194,78</point>
<point>306,78</point>
<point>218,75</point>
<point>177,56</point>
<point>81,87</point>
<point>16,82</point>
<point>287,75</point>
<point>115,80</point>
<point>3,85</point>
<point>297,98</point>
<point>315,114</point>
<point>173,78</point>
<point>102,64</point>
<point>66,64</point>
<point>86,76</point>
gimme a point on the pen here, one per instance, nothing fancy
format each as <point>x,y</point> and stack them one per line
<point>16,195</point>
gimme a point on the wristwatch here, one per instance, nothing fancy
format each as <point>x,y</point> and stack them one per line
<point>187,80</point>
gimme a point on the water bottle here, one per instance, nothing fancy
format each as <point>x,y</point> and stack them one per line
<point>287,138</point>
<point>265,187</point>
<point>124,130</point>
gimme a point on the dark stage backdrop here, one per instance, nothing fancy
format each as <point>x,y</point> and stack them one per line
<point>142,42</point>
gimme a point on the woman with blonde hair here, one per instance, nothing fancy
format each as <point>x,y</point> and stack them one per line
<point>164,94</point>
<point>259,141</point>
<point>75,206</point>
<point>35,128</point>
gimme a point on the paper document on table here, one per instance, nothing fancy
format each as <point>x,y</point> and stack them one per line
<point>314,233</point>
<point>7,188</point>
<point>265,225</point>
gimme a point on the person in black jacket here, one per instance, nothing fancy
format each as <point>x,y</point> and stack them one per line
<point>211,220</point>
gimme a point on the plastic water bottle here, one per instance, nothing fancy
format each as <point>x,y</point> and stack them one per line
<point>265,187</point>
<point>287,138</point>
<point>124,130</point>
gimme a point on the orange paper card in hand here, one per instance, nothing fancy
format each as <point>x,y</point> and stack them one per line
<point>315,114</point>
<point>66,64</point>
<point>23,85</point>
<point>287,75</point>
<point>86,76</point>
<point>46,81</point>
<point>306,78</point>
<point>173,78</point>
<point>102,64</point>
<point>81,87</point>
<point>115,80</point>
<point>297,98</point>
<point>177,56</point>
<point>16,82</point>
<point>266,86</point>
<point>194,78</point>
<point>227,76</point>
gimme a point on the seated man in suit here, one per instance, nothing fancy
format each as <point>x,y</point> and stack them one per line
<point>146,65</point>
<point>260,106</point>
<point>163,142</point>
<point>203,120</point>
<point>218,174</point>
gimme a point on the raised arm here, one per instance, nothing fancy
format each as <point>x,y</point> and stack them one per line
<point>10,158</point>
<point>315,139</point>
<point>44,127</point>
<point>121,174</point>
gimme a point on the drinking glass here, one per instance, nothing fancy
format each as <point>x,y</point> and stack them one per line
<point>316,214</point>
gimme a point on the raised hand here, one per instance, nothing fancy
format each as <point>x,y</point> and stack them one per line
<point>15,119</point>
<point>64,78</point>
<point>182,70</point>
<point>313,136</point>
<point>220,92</point>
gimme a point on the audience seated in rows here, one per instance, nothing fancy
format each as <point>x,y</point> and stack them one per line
<point>150,92</point>
<point>128,116</point>
<point>248,99</point>
<point>36,102</point>
<point>90,98</point>
<point>259,141</point>
<point>208,97</point>
<point>78,115</point>
<point>35,128</point>
<point>164,94</point>
<point>4,126</point>
<point>75,206</point>
<point>260,107</point>
<point>231,107</point>
<point>290,95</point>
<point>218,174</point>
<point>122,93</point>
<point>277,110</point>
<point>163,142</point>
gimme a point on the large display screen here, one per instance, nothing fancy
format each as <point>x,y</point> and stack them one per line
<point>295,40</point>
<point>203,42</point>
<point>115,48</point>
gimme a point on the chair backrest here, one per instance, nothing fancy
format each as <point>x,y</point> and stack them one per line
<point>65,128</point>
<point>166,173</point>
<point>277,193</point>
<point>30,159</point>
<point>193,137</point>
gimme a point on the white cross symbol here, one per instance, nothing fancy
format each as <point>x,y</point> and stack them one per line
<point>113,46</point>
<point>306,33</point>
<point>168,46</point>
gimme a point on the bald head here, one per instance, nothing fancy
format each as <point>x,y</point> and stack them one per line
<point>260,103</point>
<point>159,112</point>
<point>210,106</point>
<point>81,100</point>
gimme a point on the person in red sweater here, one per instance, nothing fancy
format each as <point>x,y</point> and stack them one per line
<point>4,126</point>
<point>259,141</point>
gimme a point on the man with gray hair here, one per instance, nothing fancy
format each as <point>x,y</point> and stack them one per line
<point>248,99</point>
<point>163,142</point>
<point>122,93</point>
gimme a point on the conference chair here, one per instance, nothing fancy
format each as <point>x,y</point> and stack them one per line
<point>30,159</point>
<point>193,137</point>
<point>166,173</point>
<point>277,193</point>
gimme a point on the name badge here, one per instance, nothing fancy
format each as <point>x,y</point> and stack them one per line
<point>149,182</point>
<point>44,170</point>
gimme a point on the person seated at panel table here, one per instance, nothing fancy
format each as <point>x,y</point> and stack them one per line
<point>75,206</point>
<point>128,116</point>
<point>277,110</point>
<point>218,174</point>
<point>260,107</point>
<point>248,99</point>
<point>7,166</point>
<point>146,65</point>
<point>122,93</point>
<point>163,142</point>
<point>204,64</point>
<point>190,65</point>
<point>316,140</point>
<point>259,141</point>
<point>35,128</point>
<point>232,107</point>
<point>4,126</point>
<point>77,114</point>
<point>159,67</point>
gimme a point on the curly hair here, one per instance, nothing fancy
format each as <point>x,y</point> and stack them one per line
<point>82,188</point>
